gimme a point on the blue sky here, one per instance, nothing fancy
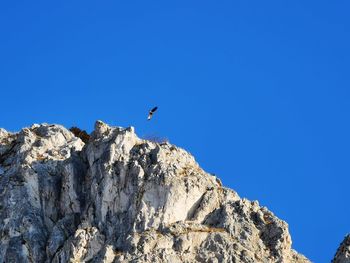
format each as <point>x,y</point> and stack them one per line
<point>257,91</point>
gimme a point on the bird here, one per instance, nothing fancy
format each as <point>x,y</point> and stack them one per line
<point>150,114</point>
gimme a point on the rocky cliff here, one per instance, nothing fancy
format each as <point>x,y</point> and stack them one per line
<point>343,252</point>
<point>119,198</point>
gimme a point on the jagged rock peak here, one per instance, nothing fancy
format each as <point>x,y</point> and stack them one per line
<point>119,198</point>
<point>343,252</point>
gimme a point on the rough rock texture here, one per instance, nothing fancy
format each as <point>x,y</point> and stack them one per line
<point>118,198</point>
<point>343,253</point>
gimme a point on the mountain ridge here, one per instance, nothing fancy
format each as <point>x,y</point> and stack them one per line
<point>118,198</point>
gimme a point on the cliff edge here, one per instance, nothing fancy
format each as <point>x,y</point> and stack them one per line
<point>118,198</point>
<point>343,252</point>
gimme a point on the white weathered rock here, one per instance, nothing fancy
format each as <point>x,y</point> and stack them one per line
<point>122,199</point>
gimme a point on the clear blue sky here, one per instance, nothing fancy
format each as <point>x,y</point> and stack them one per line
<point>257,91</point>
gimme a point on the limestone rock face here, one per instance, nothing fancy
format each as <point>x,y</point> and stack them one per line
<point>119,198</point>
<point>343,253</point>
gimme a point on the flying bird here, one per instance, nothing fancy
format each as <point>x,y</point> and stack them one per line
<point>150,114</point>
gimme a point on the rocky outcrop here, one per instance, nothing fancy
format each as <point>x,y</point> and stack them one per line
<point>343,252</point>
<point>119,198</point>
